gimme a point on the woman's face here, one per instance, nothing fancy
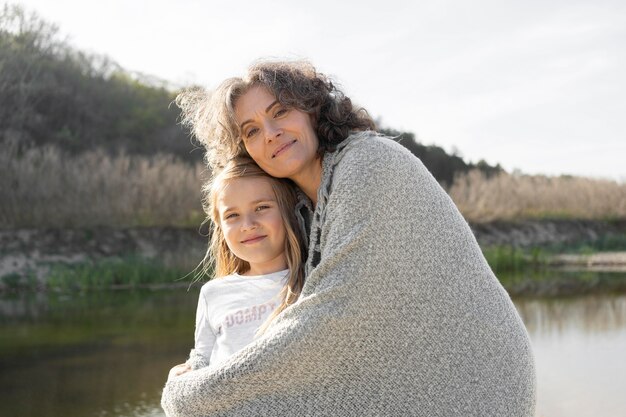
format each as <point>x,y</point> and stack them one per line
<point>282,141</point>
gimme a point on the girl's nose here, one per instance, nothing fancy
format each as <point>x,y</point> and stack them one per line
<point>248,223</point>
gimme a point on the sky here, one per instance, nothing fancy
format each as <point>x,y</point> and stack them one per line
<point>536,86</point>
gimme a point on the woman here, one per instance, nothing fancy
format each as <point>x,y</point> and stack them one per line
<point>400,313</point>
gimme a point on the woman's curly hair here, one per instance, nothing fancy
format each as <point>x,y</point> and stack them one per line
<point>296,84</point>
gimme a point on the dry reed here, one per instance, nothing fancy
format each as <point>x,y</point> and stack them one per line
<point>509,197</point>
<point>46,187</point>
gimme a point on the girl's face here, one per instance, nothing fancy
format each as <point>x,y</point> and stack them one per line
<point>252,224</point>
<point>282,141</point>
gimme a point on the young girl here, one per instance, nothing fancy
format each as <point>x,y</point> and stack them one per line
<point>257,252</point>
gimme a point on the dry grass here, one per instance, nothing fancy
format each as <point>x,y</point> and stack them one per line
<point>45,187</point>
<point>508,197</point>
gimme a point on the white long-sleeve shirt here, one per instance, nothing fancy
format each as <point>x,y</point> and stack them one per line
<point>230,311</point>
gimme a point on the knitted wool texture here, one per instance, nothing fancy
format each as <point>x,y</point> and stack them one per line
<point>400,314</point>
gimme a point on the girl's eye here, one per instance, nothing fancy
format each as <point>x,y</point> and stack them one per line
<point>265,207</point>
<point>230,216</point>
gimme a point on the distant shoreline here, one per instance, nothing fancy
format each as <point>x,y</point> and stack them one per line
<point>31,254</point>
<point>538,233</point>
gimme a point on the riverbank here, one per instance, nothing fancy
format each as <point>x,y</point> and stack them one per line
<point>132,257</point>
<point>546,233</point>
<point>93,257</point>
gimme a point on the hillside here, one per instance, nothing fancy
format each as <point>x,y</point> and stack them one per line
<point>53,94</point>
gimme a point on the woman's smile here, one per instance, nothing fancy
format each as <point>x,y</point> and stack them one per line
<point>282,148</point>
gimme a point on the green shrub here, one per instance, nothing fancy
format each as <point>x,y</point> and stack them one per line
<point>129,272</point>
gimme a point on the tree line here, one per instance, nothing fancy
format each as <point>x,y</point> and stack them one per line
<point>53,94</point>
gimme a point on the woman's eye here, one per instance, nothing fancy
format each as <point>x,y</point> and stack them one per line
<point>280,112</point>
<point>251,132</point>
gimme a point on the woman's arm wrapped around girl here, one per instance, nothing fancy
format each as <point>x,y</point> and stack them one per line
<point>400,313</point>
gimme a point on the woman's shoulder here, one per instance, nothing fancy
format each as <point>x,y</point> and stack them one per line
<point>368,141</point>
<point>369,153</point>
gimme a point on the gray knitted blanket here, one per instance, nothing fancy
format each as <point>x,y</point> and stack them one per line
<point>400,314</point>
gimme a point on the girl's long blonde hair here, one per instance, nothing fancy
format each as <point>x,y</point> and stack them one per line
<point>222,261</point>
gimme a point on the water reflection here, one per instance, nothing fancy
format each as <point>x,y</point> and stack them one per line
<point>101,354</point>
<point>590,315</point>
<point>579,346</point>
<point>107,354</point>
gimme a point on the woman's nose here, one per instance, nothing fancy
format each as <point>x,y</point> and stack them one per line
<point>272,131</point>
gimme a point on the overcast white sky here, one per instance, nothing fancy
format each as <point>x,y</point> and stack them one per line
<point>534,85</point>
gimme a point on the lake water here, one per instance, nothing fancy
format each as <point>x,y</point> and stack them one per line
<point>580,353</point>
<point>107,354</point>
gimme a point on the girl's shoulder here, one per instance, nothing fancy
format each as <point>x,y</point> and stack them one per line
<point>217,283</point>
<point>235,279</point>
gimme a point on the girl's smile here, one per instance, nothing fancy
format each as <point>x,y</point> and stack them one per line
<point>253,239</point>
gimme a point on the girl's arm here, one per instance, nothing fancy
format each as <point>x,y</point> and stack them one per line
<point>281,362</point>
<point>200,355</point>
